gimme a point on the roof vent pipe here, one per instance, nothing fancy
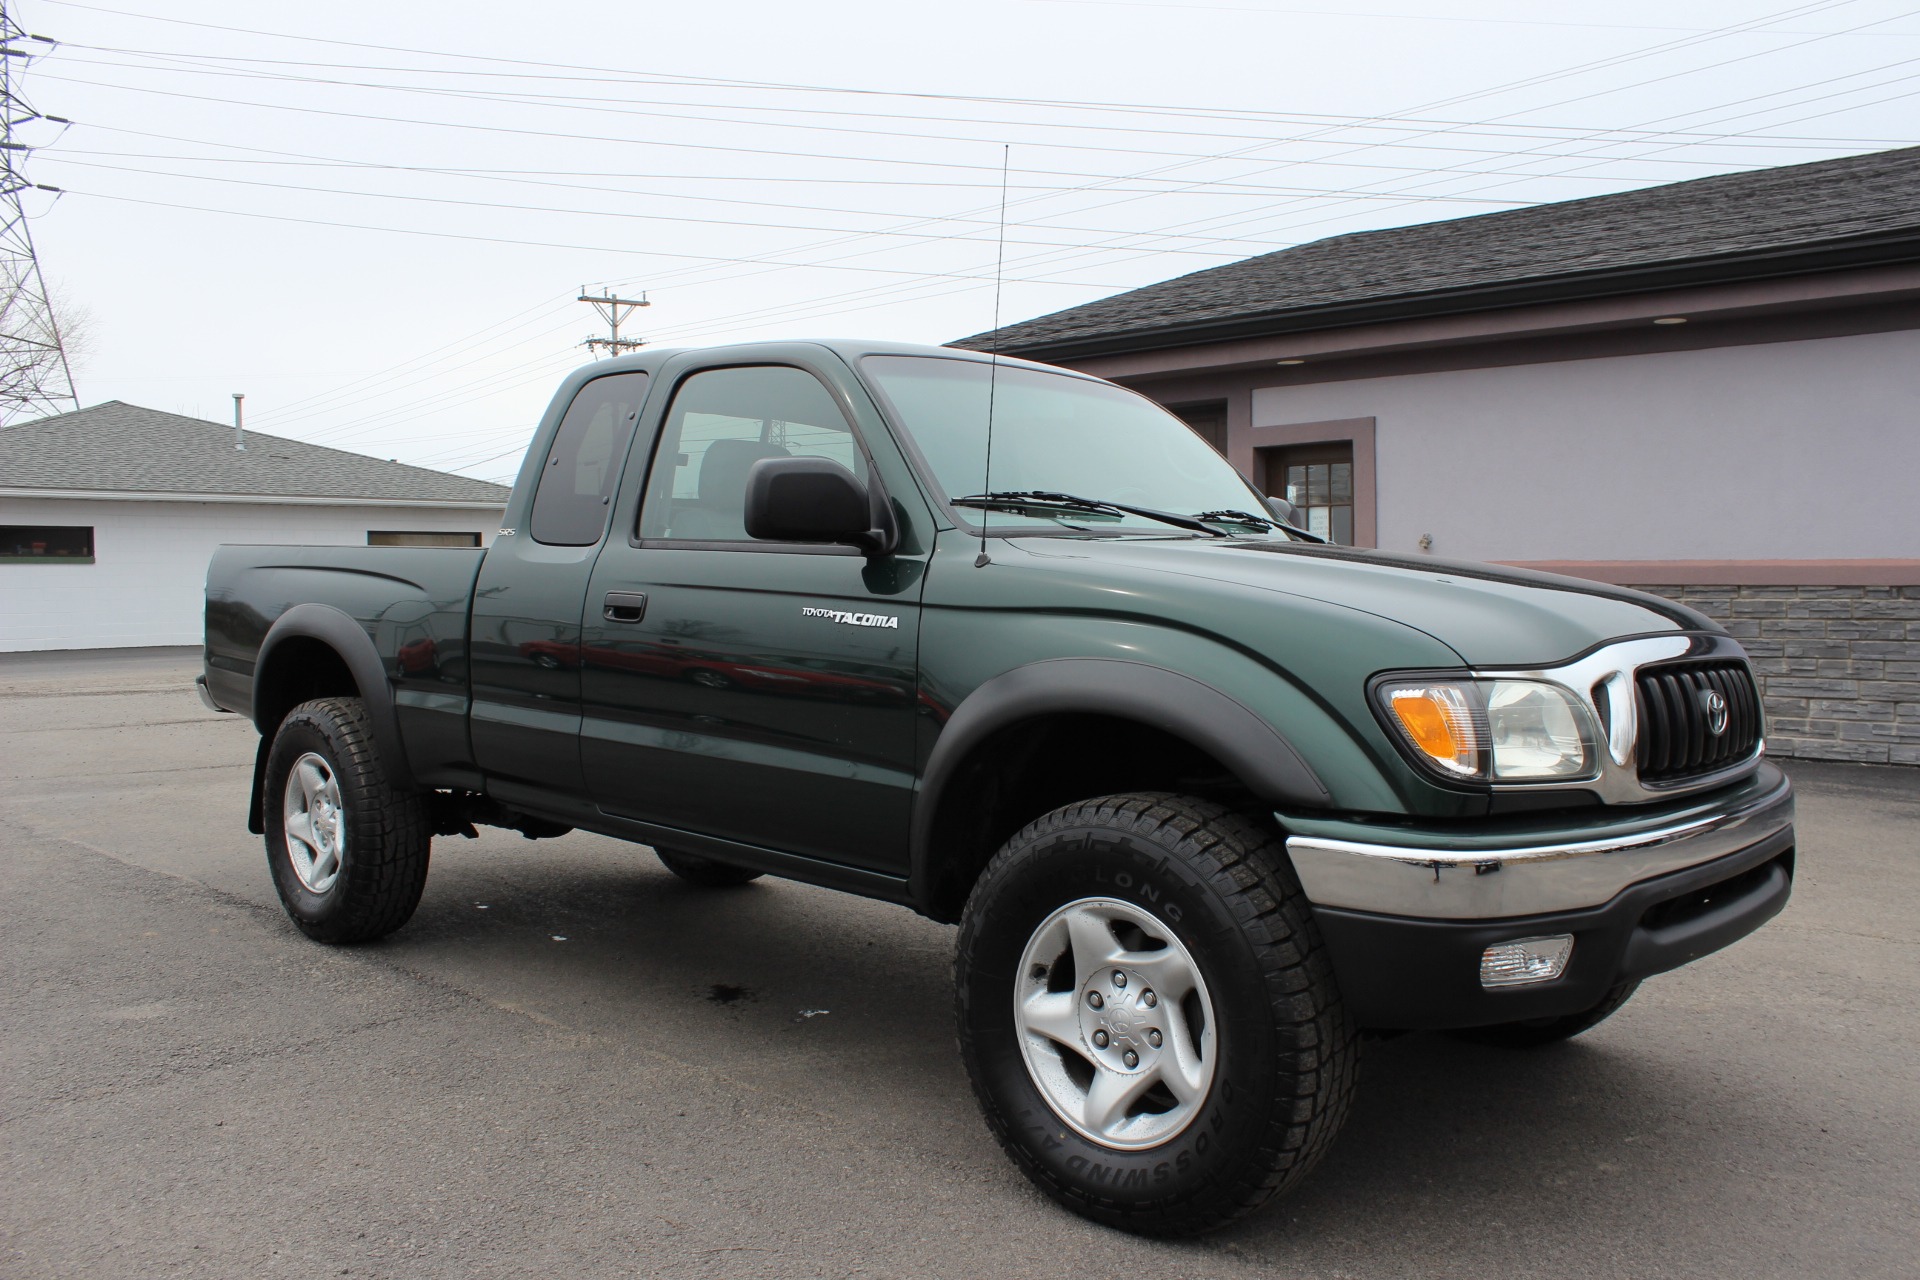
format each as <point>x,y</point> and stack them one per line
<point>239,435</point>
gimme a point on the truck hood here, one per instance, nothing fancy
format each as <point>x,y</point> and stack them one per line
<point>1490,615</point>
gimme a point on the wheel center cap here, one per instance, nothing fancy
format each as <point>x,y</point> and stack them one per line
<point>1119,1021</point>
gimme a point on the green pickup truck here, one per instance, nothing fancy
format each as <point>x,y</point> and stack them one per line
<point>1015,648</point>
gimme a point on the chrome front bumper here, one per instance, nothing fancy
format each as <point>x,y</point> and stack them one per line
<point>1527,870</point>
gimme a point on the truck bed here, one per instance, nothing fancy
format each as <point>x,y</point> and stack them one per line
<point>412,603</point>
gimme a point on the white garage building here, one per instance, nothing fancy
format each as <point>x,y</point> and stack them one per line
<point>108,516</point>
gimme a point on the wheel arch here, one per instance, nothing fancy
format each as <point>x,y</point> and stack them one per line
<point>318,651</point>
<point>1196,723</point>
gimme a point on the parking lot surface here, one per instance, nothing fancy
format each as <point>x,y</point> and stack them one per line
<point>571,1064</point>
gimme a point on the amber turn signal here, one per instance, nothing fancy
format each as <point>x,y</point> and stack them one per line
<point>1438,720</point>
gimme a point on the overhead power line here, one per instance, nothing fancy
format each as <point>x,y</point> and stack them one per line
<point>1690,36</point>
<point>182,63</point>
<point>1358,142</point>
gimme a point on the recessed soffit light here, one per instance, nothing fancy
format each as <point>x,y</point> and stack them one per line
<point>1671,320</point>
<point>1291,360</point>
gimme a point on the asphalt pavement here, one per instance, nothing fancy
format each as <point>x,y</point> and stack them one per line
<point>570,1064</point>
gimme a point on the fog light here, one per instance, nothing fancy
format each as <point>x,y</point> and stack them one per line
<point>1524,960</point>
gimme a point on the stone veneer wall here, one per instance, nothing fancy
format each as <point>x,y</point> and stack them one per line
<point>1839,667</point>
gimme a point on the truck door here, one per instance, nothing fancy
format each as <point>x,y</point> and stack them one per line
<point>758,692</point>
<point>527,603</point>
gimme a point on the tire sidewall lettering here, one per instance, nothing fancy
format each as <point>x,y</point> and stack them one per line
<point>1150,883</point>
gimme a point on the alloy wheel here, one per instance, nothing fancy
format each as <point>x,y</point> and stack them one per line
<point>1115,1023</point>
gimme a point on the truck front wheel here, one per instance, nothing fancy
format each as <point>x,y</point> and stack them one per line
<point>1147,1014</point>
<point>347,849</point>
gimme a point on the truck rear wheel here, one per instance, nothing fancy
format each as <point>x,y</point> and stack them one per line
<point>1148,1016</point>
<point>704,872</point>
<point>347,849</point>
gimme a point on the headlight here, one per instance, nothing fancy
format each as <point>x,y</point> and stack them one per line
<point>1491,730</point>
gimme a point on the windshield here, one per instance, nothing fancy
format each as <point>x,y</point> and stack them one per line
<point>1055,433</point>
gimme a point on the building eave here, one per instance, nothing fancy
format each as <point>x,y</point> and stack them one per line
<point>1883,249</point>
<point>250,499</point>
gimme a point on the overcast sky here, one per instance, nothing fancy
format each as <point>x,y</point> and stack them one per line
<point>374,218</point>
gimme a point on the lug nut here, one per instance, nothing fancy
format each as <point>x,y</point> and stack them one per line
<point>1131,1058</point>
<point>1093,998</point>
<point>1099,1039</point>
<point>1149,999</point>
<point>1153,1038</point>
<point>1119,978</point>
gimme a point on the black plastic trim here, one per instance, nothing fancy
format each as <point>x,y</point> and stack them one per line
<point>257,804</point>
<point>1257,753</point>
<point>350,640</point>
<point>1422,975</point>
<point>784,548</point>
<point>791,866</point>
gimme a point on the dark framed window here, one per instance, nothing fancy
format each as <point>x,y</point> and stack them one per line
<point>419,538</point>
<point>1326,468</point>
<point>46,543</point>
<point>722,421</point>
<point>1318,480</point>
<point>576,485</point>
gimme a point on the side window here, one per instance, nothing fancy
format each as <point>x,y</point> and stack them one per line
<point>721,423</point>
<point>576,485</point>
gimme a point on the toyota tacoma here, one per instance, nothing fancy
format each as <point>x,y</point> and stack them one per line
<point>1015,648</point>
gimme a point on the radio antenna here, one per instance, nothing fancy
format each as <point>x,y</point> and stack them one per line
<point>993,368</point>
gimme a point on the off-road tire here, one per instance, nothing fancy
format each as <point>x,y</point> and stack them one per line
<point>1535,1033</point>
<point>1286,1055</point>
<point>383,868</point>
<point>704,872</point>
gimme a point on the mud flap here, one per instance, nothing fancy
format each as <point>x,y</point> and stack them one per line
<point>256,807</point>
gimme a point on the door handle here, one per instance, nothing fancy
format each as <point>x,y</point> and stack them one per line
<point>626,606</point>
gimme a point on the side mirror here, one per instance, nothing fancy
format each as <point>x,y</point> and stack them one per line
<point>1283,511</point>
<point>811,500</point>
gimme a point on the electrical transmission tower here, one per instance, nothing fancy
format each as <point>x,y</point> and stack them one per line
<point>615,312</point>
<point>34,377</point>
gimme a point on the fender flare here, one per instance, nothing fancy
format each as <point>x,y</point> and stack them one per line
<point>1257,753</point>
<point>339,632</point>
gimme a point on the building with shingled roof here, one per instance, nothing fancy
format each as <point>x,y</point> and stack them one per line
<point>108,516</point>
<point>1709,389</point>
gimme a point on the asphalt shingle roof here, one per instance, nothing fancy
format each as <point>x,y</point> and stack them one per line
<point>1725,217</point>
<point>120,447</point>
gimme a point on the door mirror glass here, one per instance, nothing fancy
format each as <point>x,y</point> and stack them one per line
<point>806,500</point>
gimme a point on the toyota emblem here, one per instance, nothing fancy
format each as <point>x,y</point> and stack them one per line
<point>1715,705</point>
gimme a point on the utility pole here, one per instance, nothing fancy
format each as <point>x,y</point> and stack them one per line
<point>614,311</point>
<point>34,377</point>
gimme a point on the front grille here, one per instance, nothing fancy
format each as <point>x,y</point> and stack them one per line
<point>1675,741</point>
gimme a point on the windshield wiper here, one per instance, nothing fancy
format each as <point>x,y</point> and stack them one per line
<point>1028,497</point>
<point>1263,522</point>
